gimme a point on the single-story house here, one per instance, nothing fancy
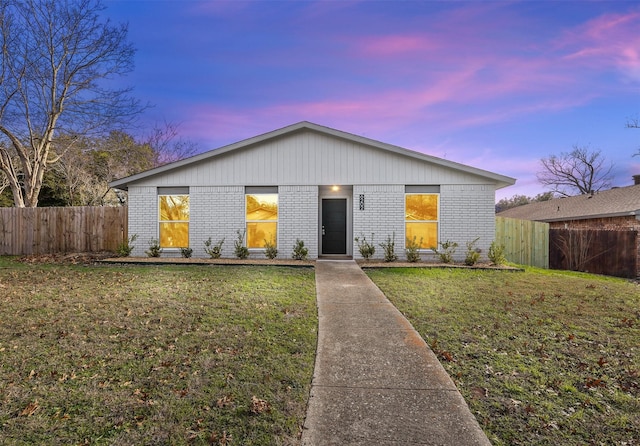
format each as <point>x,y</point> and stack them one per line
<point>616,209</point>
<point>316,184</point>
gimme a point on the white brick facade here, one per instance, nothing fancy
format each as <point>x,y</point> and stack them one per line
<point>144,221</point>
<point>216,212</point>
<point>467,212</point>
<point>383,215</point>
<point>310,163</point>
<point>297,219</point>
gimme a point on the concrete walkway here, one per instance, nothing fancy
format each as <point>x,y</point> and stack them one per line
<point>376,382</point>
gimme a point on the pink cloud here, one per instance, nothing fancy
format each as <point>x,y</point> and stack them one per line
<point>609,40</point>
<point>397,45</point>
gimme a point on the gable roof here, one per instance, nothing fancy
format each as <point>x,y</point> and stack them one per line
<point>618,202</point>
<point>499,180</point>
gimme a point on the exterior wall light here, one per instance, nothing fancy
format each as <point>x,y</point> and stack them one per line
<point>335,188</point>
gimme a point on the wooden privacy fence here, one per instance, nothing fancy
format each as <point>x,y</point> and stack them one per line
<point>25,231</point>
<point>526,242</point>
<point>598,251</point>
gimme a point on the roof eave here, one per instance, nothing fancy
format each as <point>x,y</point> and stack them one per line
<point>635,213</point>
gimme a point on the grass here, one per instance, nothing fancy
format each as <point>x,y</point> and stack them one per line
<point>541,357</point>
<point>154,355</point>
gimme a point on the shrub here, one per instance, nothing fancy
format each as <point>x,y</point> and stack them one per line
<point>496,254</point>
<point>186,252</point>
<point>124,249</point>
<point>413,249</point>
<point>241,251</point>
<point>389,248</point>
<point>446,252</point>
<point>214,251</point>
<point>270,250</point>
<point>154,248</point>
<point>366,249</point>
<point>473,253</point>
<point>299,250</point>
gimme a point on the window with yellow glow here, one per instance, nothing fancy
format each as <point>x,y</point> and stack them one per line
<point>262,219</point>
<point>174,221</point>
<point>421,219</point>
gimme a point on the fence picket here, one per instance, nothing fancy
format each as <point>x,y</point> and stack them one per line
<point>526,242</point>
<point>27,231</point>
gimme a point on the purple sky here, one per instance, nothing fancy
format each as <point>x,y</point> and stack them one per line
<point>495,85</point>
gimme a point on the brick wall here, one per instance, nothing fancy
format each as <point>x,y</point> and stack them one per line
<point>143,217</point>
<point>297,219</point>
<point>383,215</point>
<point>466,213</point>
<point>216,212</point>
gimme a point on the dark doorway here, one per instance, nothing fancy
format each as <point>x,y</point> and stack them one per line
<point>334,226</point>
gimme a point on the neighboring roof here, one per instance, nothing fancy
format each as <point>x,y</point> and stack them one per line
<point>618,202</point>
<point>500,180</point>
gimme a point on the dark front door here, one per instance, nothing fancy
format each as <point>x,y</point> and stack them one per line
<point>334,226</point>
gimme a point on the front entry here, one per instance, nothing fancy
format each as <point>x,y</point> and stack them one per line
<point>334,226</point>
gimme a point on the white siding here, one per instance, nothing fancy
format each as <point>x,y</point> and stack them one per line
<point>310,158</point>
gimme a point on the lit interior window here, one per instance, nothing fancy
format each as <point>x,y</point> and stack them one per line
<point>262,219</point>
<point>174,221</point>
<point>421,219</point>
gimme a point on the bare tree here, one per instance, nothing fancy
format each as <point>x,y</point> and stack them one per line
<point>168,146</point>
<point>580,171</point>
<point>56,56</point>
<point>634,123</point>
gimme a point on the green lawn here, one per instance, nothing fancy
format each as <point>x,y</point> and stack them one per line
<point>225,354</point>
<point>154,355</point>
<point>542,357</point>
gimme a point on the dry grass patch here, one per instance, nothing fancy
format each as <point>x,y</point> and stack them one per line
<point>542,357</point>
<point>155,355</point>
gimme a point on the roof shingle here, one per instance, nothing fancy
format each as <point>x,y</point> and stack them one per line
<point>610,203</point>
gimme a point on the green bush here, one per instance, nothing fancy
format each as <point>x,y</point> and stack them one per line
<point>300,252</point>
<point>473,253</point>
<point>413,249</point>
<point>446,252</point>
<point>186,252</point>
<point>214,251</point>
<point>241,251</point>
<point>389,247</point>
<point>154,248</point>
<point>270,250</point>
<point>496,254</point>
<point>367,250</point>
<point>124,249</point>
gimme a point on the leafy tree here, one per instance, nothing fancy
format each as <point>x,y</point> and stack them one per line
<point>55,56</point>
<point>91,164</point>
<point>580,171</point>
<point>520,200</point>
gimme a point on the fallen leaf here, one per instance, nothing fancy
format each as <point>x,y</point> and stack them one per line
<point>30,409</point>
<point>259,406</point>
